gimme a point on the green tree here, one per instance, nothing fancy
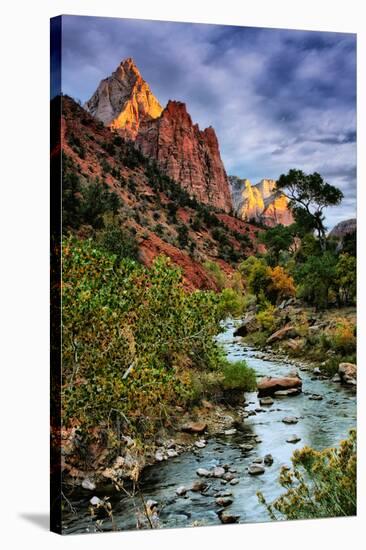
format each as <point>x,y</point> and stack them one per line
<point>310,193</point>
<point>276,239</point>
<point>315,278</point>
<point>346,273</point>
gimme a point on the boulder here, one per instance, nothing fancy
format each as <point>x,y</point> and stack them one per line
<point>224,501</point>
<point>315,397</point>
<point>268,385</point>
<point>348,373</point>
<point>199,486</point>
<point>218,471</point>
<point>194,427</point>
<point>287,393</point>
<point>293,439</point>
<point>266,401</point>
<point>88,484</point>
<point>231,431</point>
<point>181,491</point>
<point>256,470</point>
<point>268,460</point>
<point>202,472</point>
<point>246,447</point>
<point>250,324</point>
<point>226,517</point>
<point>234,481</point>
<point>290,420</point>
<point>282,334</point>
<point>295,344</point>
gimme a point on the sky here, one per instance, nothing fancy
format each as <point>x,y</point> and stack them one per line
<point>277,98</point>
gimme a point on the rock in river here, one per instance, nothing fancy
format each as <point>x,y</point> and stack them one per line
<point>226,517</point>
<point>181,491</point>
<point>202,472</point>
<point>199,486</point>
<point>224,501</point>
<point>268,385</point>
<point>256,470</point>
<point>293,439</point>
<point>266,401</point>
<point>315,397</point>
<point>290,420</point>
<point>218,471</point>
<point>268,460</point>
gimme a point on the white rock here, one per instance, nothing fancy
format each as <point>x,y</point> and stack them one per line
<point>88,484</point>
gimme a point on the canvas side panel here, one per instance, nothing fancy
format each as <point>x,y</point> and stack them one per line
<point>55,277</point>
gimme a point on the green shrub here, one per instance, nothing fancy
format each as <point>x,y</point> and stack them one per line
<point>238,376</point>
<point>118,241</point>
<point>321,484</point>
<point>232,303</point>
<point>216,273</point>
<point>131,336</point>
<point>266,318</point>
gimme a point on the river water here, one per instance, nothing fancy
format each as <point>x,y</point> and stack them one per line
<point>321,424</point>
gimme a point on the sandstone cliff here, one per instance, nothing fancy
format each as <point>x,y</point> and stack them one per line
<point>187,154</point>
<point>260,202</point>
<point>123,100</point>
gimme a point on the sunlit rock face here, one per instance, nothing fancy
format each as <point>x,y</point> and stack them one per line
<point>260,202</point>
<point>123,100</point>
<point>190,156</point>
<point>187,154</point>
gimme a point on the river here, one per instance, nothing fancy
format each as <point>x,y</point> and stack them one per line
<point>322,423</point>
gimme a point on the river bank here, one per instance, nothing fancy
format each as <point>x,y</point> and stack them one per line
<point>259,432</point>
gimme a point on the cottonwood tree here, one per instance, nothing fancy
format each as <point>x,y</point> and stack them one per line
<point>309,195</point>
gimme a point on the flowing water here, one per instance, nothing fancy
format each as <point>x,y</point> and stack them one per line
<point>321,424</point>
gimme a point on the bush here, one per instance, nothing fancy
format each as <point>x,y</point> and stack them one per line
<point>281,284</point>
<point>342,338</point>
<point>321,484</point>
<point>215,271</point>
<point>118,241</point>
<point>232,303</point>
<point>238,376</point>
<point>131,336</point>
<point>266,318</point>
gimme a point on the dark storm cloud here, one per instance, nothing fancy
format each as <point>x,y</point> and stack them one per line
<point>277,98</point>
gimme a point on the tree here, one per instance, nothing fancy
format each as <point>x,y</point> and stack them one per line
<point>346,271</point>
<point>281,284</point>
<point>315,278</point>
<point>276,239</point>
<point>309,192</point>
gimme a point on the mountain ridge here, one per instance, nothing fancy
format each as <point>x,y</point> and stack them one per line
<point>124,102</point>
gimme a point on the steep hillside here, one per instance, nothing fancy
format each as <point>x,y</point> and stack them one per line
<point>162,216</point>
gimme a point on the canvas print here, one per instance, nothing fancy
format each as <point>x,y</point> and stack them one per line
<point>203,274</point>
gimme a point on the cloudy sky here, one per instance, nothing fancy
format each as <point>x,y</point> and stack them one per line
<point>278,99</point>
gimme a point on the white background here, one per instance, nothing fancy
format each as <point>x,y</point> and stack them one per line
<point>24,283</point>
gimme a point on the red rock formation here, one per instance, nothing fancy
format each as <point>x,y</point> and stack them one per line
<point>187,154</point>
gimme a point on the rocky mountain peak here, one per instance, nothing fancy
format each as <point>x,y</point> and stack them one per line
<point>123,100</point>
